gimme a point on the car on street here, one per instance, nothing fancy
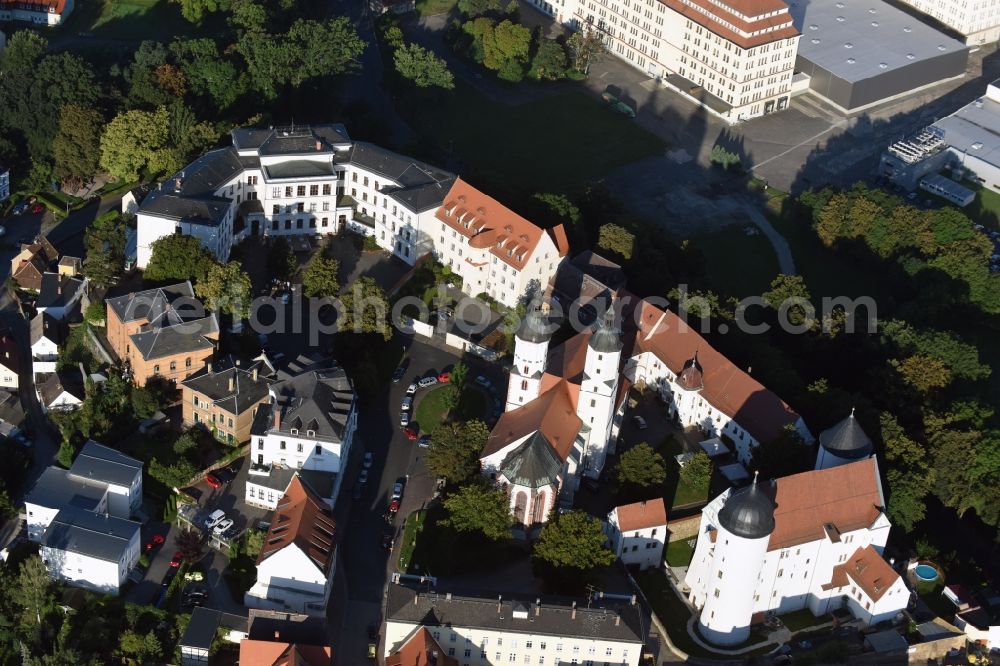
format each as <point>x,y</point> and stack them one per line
<point>411,389</point>
<point>394,506</point>
<point>639,422</point>
<point>20,208</point>
<point>213,481</point>
<point>407,403</point>
<point>176,561</point>
<point>154,543</point>
<point>397,376</point>
<point>37,208</point>
<point>225,475</point>
<point>388,536</point>
<point>482,381</point>
<point>444,377</point>
<point>427,381</point>
<point>404,419</point>
<point>215,518</point>
<point>363,477</point>
<point>397,488</point>
<point>411,433</point>
<point>223,525</point>
<point>368,460</point>
<point>424,441</point>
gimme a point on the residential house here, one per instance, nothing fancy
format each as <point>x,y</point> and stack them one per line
<point>63,390</point>
<point>61,296</point>
<point>421,649</point>
<point>121,474</point>
<point>70,266</point>
<point>31,262</point>
<point>309,424</point>
<point>199,639</point>
<point>10,364</point>
<point>589,280</point>
<point>505,629</point>
<point>38,12</point>
<point>638,533</point>
<point>285,638</point>
<point>224,398</point>
<point>11,415</point>
<point>132,199</point>
<point>47,333</point>
<point>162,332</point>
<point>298,561</point>
<point>90,550</point>
<point>811,540</point>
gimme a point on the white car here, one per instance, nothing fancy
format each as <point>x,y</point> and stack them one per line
<point>222,526</point>
<point>411,389</point>
<point>427,381</point>
<point>407,403</point>
<point>404,419</point>
<point>363,477</point>
<point>215,518</point>
<point>397,491</point>
<point>369,459</point>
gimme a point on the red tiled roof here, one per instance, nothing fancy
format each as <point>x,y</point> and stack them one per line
<point>269,653</point>
<point>420,650</point>
<point>488,223</point>
<point>552,413</point>
<point>846,498</point>
<point>641,515</point>
<point>742,14</point>
<point>44,7</point>
<point>304,520</point>
<point>866,569</point>
<point>558,234</point>
<point>730,390</point>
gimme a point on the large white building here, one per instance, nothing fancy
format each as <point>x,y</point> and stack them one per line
<point>811,540</point>
<point>638,533</point>
<point>9,362</point>
<point>316,181</point>
<point>474,630</point>
<point>977,20</point>
<point>38,12</point>
<point>735,57</point>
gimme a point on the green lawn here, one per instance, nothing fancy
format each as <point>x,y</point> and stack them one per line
<point>432,7</point>
<point>137,20</point>
<point>430,547</point>
<point>414,525</point>
<point>431,410</point>
<point>676,492</point>
<point>679,553</point>
<point>571,138</point>
<point>727,268</point>
<point>801,620</point>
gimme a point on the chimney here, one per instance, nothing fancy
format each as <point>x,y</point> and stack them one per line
<point>177,184</point>
<point>538,606</point>
<point>277,416</point>
<point>277,635</point>
<point>448,596</point>
<point>209,365</point>
<point>633,600</point>
<point>499,602</point>
<point>319,145</point>
<point>573,615</point>
<point>232,383</point>
<point>254,373</point>
<point>416,599</point>
<point>618,619</point>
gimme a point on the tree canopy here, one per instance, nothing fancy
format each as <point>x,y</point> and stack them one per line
<point>226,288</point>
<point>365,309</point>
<point>422,67</point>
<point>76,147</point>
<point>321,277</point>
<point>642,467</point>
<point>454,450</point>
<point>616,238</point>
<point>573,540</point>
<point>178,257</point>
<point>479,508</point>
<point>137,142</point>
<point>104,241</point>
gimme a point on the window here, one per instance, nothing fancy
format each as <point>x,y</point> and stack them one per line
<point>282,445</point>
<point>326,192</point>
<point>528,644</point>
<point>453,637</point>
<point>314,190</point>
<point>156,369</point>
<point>716,593</point>
<point>298,447</point>
<point>187,362</point>
<point>300,190</point>
<point>451,652</point>
<point>260,445</point>
<point>288,191</point>
<point>468,653</point>
<point>275,209</point>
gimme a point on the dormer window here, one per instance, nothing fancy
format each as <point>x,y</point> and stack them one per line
<point>310,433</point>
<point>295,431</point>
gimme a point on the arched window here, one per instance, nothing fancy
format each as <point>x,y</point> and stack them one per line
<point>538,510</point>
<point>520,505</point>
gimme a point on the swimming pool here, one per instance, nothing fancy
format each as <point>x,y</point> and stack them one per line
<point>926,572</point>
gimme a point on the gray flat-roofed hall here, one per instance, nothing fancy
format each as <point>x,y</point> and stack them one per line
<point>859,53</point>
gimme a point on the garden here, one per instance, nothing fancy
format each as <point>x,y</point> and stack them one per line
<point>434,407</point>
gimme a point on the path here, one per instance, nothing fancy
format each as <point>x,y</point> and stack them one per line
<point>786,264</point>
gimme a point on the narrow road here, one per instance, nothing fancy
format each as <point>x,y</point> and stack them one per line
<point>786,264</point>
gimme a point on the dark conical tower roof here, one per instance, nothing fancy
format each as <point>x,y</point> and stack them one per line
<point>607,339</point>
<point>748,512</point>
<point>846,439</point>
<point>692,376</point>
<point>534,327</point>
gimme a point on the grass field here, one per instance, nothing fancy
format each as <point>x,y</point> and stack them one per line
<point>432,7</point>
<point>737,264</point>
<point>431,410</point>
<point>679,553</point>
<point>571,139</point>
<point>136,20</point>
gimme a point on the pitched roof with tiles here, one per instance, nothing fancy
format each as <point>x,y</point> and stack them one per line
<point>866,569</point>
<point>727,388</point>
<point>230,387</point>
<point>58,290</point>
<point>151,303</point>
<point>102,463</point>
<point>90,534</point>
<point>37,6</point>
<point>824,503</point>
<point>552,413</point>
<point>318,400</point>
<point>9,352</point>
<point>304,520</point>
<point>420,649</point>
<point>179,337</point>
<point>272,653</point>
<point>640,515</point>
<point>533,464</point>
<point>485,222</point>
<point>747,23</point>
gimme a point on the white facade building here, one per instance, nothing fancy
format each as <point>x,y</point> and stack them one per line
<point>9,362</point>
<point>38,12</point>
<point>977,20</point>
<point>45,336</point>
<point>735,57</point>
<point>500,630</point>
<point>638,533</point>
<point>89,550</point>
<point>811,540</point>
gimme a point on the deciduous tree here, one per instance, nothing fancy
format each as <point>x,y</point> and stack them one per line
<point>178,257</point>
<point>321,277</point>
<point>616,238</point>
<point>226,288</point>
<point>138,141</point>
<point>365,309</point>
<point>454,450</point>
<point>421,66</point>
<point>479,508</point>
<point>642,467</point>
<point>585,48</point>
<point>76,148</point>
<point>573,540</point>
<point>549,62</point>
<point>104,241</point>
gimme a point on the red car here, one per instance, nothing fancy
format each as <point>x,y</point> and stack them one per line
<point>155,542</point>
<point>411,433</point>
<point>444,377</point>
<point>213,481</point>
<point>394,506</point>
<point>36,208</point>
<point>176,562</point>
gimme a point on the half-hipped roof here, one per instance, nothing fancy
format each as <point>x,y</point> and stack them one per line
<point>866,569</point>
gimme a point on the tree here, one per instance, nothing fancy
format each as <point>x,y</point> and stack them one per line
<point>724,158</point>
<point>641,466</point>
<point>208,71</point>
<point>697,472</point>
<point>188,136</point>
<point>909,475</point>
<point>76,147</point>
<point>616,238</point>
<point>505,49</point>
<point>226,289</point>
<point>104,241</point>
<point>421,66</point>
<point>365,309</point>
<point>138,141</point>
<point>454,450</point>
<point>281,261</point>
<point>190,544</point>
<point>479,508</point>
<point>474,8</point>
<point>185,444</point>
<point>178,257</point>
<point>790,289</point>
<point>459,376</point>
<point>34,590</point>
<point>253,542</point>
<point>248,16</point>
<point>549,62</point>
<point>320,277</point>
<point>195,10</point>
<point>171,78</point>
<point>585,48</point>
<point>923,373</point>
<point>145,92</point>
<point>175,474</point>
<point>573,540</point>
<point>136,648</point>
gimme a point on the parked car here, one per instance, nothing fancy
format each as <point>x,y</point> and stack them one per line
<point>639,422</point>
<point>404,419</point>
<point>176,561</point>
<point>411,389</point>
<point>444,377</point>
<point>20,208</point>
<point>388,537</point>
<point>411,433</point>
<point>215,518</point>
<point>224,474</point>
<point>424,441</point>
<point>223,525</point>
<point>368,460</point>
<point>482,381</point>
<point>407,403</point>
<point>213,481</point>
<point>397,488</point>
<point>363,477</point>
<point>154,543</point>
<point>400,370</point>
<point>394,506</point>
<point>427,381</point>
<point>37,208</point>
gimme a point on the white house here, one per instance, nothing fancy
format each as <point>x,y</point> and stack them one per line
<point>978,22</point>
<point>638,533</point>
<point>121,474</point>
<point>811,540</point>
<point>46,334</point>
<point>9,362</point>
<point>500,629</point>
<point>297,564</point>
<point>308,425</point>
<point>90,550</point>
<point>38,12</point>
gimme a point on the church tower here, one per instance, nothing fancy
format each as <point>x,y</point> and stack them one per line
<point>843,443</point>
<point>531,348</point>
<point>598,390</point>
